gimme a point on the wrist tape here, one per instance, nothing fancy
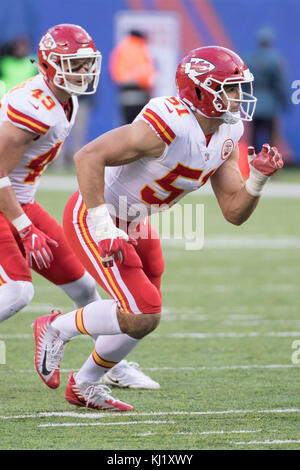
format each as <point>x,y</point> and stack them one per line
<point>5,181</point>
<point>256,181</point>
<point>21,222</point>
<point>102,221</point>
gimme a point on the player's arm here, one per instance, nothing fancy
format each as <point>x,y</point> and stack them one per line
<point>13,144</point>
<point>236,199</point>
<point>117,147</point>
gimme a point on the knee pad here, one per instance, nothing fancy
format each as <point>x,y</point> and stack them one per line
<point>14,295</point>
<point>83,291</point>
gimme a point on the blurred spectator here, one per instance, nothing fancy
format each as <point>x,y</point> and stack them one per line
<point>78,136</point>
<point>132,69</point>
<point>269,87</point>
<point>15,63</point>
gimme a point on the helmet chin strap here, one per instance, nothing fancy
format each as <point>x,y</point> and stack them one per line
<point>227,117</point>
<point>230,118</point>
<point>76,89</point>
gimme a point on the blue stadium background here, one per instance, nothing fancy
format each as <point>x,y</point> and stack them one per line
<point>232,23</point>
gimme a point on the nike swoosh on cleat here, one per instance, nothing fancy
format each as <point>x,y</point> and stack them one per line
<point>116,381</point>
<point>45,371</point>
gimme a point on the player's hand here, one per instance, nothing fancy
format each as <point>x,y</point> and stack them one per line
<point>267,162</point>
<point>37,246</point>
<point>113,249</point>
<point>111,239</point>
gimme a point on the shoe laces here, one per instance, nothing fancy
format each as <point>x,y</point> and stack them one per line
<point>127,369</point>
<point>56,351</point>
<point>134,364</point>
<point>95,392</point>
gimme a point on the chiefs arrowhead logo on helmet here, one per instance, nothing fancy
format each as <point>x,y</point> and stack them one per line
<point>47,42</point>
<point>197,67</point>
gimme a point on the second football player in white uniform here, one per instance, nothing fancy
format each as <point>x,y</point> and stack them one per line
<point>172,148</point>
<point>35,119</point>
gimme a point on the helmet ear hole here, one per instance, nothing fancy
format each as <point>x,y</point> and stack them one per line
<point>198,93</point>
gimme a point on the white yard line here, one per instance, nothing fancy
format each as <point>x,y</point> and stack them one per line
<point>193,369</point>
<point>272,189</point>
<point>231,334</point>
<point>244,242</point>
<point>235,431</point>
<point>93,415</point>
<point>251,366</point>
<point>56,425</point>
<point>203,433</point>
<point>267,442</point>
<point>251,334</point>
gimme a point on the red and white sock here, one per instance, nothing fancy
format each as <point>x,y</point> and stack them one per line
<point>108,352</point>
<point>97,318</point>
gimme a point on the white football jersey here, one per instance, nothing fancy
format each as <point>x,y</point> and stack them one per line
<point>32,106</point>
<point>186,164</point>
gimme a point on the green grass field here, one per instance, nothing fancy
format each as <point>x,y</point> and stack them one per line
<point>222,352</point>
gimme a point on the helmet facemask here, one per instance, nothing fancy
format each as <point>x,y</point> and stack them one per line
<point>246,99</point>
<point>67,71</point>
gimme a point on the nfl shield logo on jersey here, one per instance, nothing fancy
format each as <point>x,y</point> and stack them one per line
<point>227,148</point>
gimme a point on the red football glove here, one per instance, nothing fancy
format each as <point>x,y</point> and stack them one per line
<point>111,239</point>
<point>37,247</point>
<point>268,161</point>
<point>113,250</point>
<point>262,166</point>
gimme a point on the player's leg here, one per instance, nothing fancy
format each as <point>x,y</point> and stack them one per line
<point>128,285</point>
<point>16,288</point>
<point>138,299</point>
<point>150,252</point>
<point>67,272</point>
<point>82,291</point>
<point>128,374</point>
<point>109,351</point>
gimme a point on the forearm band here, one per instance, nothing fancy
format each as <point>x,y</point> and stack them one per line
<point>21,222</point>
<point>5,181</point>
<point>255,183</point>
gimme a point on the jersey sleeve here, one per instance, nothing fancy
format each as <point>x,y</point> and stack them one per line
<point>163,118</point>
<point>26,113</point>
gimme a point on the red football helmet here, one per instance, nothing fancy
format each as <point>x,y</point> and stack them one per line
<point>202,77</point>
<point>59,50</point>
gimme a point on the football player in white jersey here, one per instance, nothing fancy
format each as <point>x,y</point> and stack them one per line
<point>172,148</point>
<point>35,119</point>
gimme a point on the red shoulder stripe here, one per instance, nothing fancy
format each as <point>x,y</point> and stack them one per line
<point>159,125</point>
<point>20,118</point>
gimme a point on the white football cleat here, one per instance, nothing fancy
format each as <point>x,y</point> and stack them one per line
<point>128,375</point>
<point>49,350</point>
<point>94,396</point>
